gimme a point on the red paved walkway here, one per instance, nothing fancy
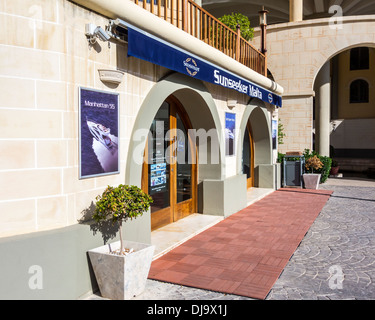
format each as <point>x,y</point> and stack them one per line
<point>245,253</point>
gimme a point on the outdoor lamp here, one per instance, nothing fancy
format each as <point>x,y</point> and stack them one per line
<point>263,17</point>
<point>263,28</point>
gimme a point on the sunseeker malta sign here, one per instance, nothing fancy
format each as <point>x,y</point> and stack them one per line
<point>145,46</point>
<point>237,85</point>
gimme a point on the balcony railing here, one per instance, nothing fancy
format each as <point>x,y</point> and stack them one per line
<point>193,19</point>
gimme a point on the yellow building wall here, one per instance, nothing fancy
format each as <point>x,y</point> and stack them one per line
<point>46,58</point>
<point>347,110</point>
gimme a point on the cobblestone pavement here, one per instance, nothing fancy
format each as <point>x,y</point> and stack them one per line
<point>335,260</point>
<point>156,290</point>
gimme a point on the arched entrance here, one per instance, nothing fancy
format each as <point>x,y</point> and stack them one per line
<point>170,172</point>
<point>202,112</point>
<point>344,116</point>
<point>256,143</point>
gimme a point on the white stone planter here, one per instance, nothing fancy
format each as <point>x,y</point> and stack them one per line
<point>311,180</point>
<point>122,277</point>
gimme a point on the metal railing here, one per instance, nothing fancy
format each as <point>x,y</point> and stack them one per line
<point>193,19</point>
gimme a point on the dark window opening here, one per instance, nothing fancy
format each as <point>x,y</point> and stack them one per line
<point>360,58</point>
<point>359,91</point>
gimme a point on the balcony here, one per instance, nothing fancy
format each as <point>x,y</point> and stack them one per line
<point>193,19</point>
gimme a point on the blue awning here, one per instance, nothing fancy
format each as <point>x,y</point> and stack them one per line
<point>147,47</point>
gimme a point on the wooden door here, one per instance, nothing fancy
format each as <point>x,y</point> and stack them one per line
<point>248,156</point>
<point>170,174</point>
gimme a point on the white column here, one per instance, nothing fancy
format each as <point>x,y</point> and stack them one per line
<point>323,109</point>
<point>295,10</point>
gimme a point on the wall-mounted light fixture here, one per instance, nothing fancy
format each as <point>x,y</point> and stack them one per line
<point>231,103</point>
<point>335,124</point>
<point>111,76</point>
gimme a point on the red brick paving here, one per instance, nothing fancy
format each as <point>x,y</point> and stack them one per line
<point>245,253</point>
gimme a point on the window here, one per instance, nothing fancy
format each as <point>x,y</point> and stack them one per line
<point>359,58</point>
<point>359,91</point>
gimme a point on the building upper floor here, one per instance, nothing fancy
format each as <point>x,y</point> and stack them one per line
<point>281,11</point>
<point>190,17</point>
<point>187,26</point>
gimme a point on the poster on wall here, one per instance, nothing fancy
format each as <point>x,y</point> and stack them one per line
<point>158,177</point>
<point>274,134</point>
<point>230,126</point>
<point>99,133</point>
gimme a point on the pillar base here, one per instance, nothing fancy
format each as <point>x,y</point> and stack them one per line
<point>224,197</point>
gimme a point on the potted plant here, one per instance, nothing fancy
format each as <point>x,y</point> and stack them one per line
<point>238,19</point>
<point>335,168</point>
<point>121,268</point>
<point>326,164</point>
<point>312,180</point>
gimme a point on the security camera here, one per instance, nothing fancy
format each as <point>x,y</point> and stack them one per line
<point>92,32</point>
<point>101,34</point>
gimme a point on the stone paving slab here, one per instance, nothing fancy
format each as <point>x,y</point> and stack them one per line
<point>244,254</point>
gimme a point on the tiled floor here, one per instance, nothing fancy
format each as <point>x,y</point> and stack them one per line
<point>170,236</point>
<point>245,253</point>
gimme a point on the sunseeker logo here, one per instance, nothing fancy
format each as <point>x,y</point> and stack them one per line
<point>270,98</point>
<point>191,66</point>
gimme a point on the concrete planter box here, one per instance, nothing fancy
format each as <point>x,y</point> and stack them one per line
<point>122,277</point>
<point>311,180</point>
<point>334,171</point>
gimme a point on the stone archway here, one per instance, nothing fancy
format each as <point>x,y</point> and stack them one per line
<point>256,114</point>
<point>344,128</point>
<point>202,111</point>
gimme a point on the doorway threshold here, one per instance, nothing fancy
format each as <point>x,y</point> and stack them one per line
<point>171,236</point>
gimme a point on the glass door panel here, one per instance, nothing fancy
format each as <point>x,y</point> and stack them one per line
<point>183,166</point>
<point>246,155</point>
<point>168,176</point>
<point>158,166</point>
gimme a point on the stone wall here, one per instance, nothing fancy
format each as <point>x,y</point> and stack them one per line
<point>46,58</point>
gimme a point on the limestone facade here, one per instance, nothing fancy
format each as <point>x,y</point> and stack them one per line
<point>45,59</point>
